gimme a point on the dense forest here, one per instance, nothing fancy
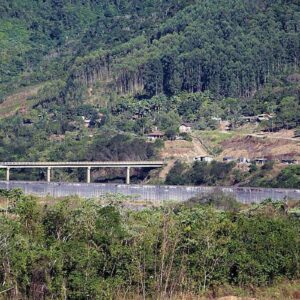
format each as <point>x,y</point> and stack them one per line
<point>129,66</point>
<point>76,249</point>
<point>230,47</point>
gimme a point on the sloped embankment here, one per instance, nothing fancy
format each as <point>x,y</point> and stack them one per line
<point>251,146</point>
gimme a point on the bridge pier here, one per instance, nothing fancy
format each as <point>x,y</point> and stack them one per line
<point>48,174</point>
<point>128,175</point>
<point>80,164</point>
<point>88,175</point>
<point>7,174</point>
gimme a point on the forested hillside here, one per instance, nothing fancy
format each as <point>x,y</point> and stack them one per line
<point>131,65</point>
<point>41,39</point>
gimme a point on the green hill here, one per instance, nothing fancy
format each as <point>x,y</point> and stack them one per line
<point>130,65</point>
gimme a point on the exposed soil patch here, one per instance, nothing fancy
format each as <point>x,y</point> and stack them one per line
<point>183,150</point>
<point>250,146</point>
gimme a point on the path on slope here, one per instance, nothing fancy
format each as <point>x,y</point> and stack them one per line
<point>180,150</point>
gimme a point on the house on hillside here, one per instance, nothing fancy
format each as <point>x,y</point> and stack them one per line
<point>249,119</point>
<point>217,119</point>
<point>203,158</point>
<point>185,128</point>
<point>87,122</point>
<point>225,125</point>
<point>261,160</point>
<point>265,117</point>
<point>289,161</point>
<point>244,160</point>
<point>154,135</point>
<point>228,159</point>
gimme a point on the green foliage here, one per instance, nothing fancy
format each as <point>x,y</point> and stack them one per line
<point>288,178</point>
<point>80,249</point>
<point>177,176</point>
<point>200,173</point>
<point>217,199</point>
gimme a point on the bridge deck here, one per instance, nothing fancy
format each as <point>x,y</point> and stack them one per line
<point>80,164</point>
<point>83,164</point>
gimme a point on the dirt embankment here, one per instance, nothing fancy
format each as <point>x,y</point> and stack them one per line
<point>182,150</point>
<point>251,147</point>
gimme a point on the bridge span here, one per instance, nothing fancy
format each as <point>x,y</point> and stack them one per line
<point>88,165</point>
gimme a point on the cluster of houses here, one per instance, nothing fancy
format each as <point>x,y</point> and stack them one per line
<point>187,128</point>
<point>261,160</point>
<point>157,134</point>
<point>228,125</point>
<point>223,124</point>
<point>245,160</point>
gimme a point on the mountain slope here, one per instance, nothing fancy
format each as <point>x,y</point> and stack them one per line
<point>129,66</point>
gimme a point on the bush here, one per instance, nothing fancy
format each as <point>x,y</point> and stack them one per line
<point>79,249</point>
<point>288,178</point>
<point>186,136</point>
<point>177,176</point>
<point>217,199</point>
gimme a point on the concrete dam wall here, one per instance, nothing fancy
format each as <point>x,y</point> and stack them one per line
<point>147,192</point>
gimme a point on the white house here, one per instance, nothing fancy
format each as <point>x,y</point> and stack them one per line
<point>154,135</point>
<point>185,128</point>
<point>204,158</point>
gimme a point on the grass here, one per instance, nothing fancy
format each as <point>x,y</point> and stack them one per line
<point>216,137</point>
<point>211,139</point>
<point>18,100</point>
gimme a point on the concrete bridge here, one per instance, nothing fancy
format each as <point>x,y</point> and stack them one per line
<point>88,165</point>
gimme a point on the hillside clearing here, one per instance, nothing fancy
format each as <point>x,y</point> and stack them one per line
<point>20,100</point>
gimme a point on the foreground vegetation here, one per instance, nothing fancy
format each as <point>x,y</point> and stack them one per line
<point>77,249</point>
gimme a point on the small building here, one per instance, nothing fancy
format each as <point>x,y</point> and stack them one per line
<point>265,117</point>
<point>203,158</point>
<point>86,122</point>
<point>228,159</point>
<point>249,119</point>
<point>185,128</point>
<point>289,161</point>
<point>217,119</point>
<point>225,125</point>
<point>244,160</point>
<point>261,160</point>
<point>154,135</point>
